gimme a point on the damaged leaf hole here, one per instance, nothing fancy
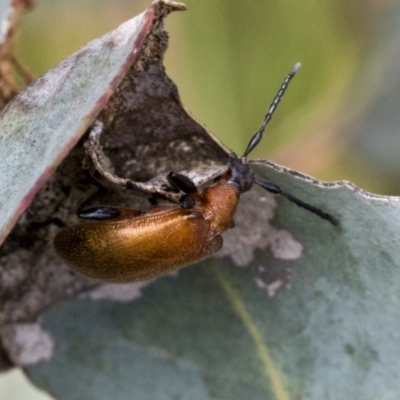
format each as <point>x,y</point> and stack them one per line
<point>185,221</point>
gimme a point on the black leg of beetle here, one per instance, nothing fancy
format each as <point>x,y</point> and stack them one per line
<point>100,190</point>
<point>100,213</point>
<point>181,183</point>
<point>133,188</point>
<point>153,200</point>
<point>96,213</point>
<point>169,188</point>
<point>271,187</point>
<point>187,201</point>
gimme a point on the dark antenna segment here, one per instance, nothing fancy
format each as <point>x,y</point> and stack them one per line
<point>271,187</point>
<point>259,134</point>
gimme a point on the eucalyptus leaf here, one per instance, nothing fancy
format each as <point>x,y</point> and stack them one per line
<point>329,331</point>
<point>43,123</point>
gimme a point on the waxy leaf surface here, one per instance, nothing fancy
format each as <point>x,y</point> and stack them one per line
<point>329,332</point>
<point>41,125</point>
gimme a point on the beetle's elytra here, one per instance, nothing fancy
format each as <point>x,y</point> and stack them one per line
<point>123,245</point>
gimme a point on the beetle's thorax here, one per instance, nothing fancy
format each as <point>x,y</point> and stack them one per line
<point>219,205</point>
<point>220,200</point>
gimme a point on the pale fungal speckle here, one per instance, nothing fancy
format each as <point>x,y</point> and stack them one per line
<point>181,146</point>
<point>271,288</point>
<point>118,292</point>
<point>48,86</point>
<point>252,228</point>
<point>27,344</point>
<point>284,246</point>
<point>13,273</point>
<point>122,292</point>
<point>253,231</point>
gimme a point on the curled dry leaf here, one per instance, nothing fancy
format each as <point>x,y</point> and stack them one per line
<point>147,132</point>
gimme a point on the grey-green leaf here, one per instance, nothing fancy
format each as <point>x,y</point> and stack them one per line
<point>41,125</point>
<point>329,330</point>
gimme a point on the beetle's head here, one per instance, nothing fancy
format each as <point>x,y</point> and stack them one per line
<point>241,176</point>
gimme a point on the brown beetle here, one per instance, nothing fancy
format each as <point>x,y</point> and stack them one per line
<point>124,245</point>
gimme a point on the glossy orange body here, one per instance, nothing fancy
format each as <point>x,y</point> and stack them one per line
<point>137,247</point>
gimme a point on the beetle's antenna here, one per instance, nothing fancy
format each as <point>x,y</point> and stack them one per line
<point>271,187</point>
<point>259,134</point>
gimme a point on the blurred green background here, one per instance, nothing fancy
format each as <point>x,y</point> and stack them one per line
<point>340,118</point>
<point>228,58</point>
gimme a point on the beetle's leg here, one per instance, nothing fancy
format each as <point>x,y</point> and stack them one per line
<point>84,209</point>
<point>184,184</point>
<point>103,213</point>
<point>181,183</point>
<point>137,189</point>
<point>153,200</point>
<point>271,187</point>
<point>99,213</point>
<point>187,201</point>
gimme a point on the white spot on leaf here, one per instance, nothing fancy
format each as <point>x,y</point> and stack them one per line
<point>253,231</point>
<point>27,344</point>
<point>284,246</point>
<point>271,288</point>
<point>118,292</point>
